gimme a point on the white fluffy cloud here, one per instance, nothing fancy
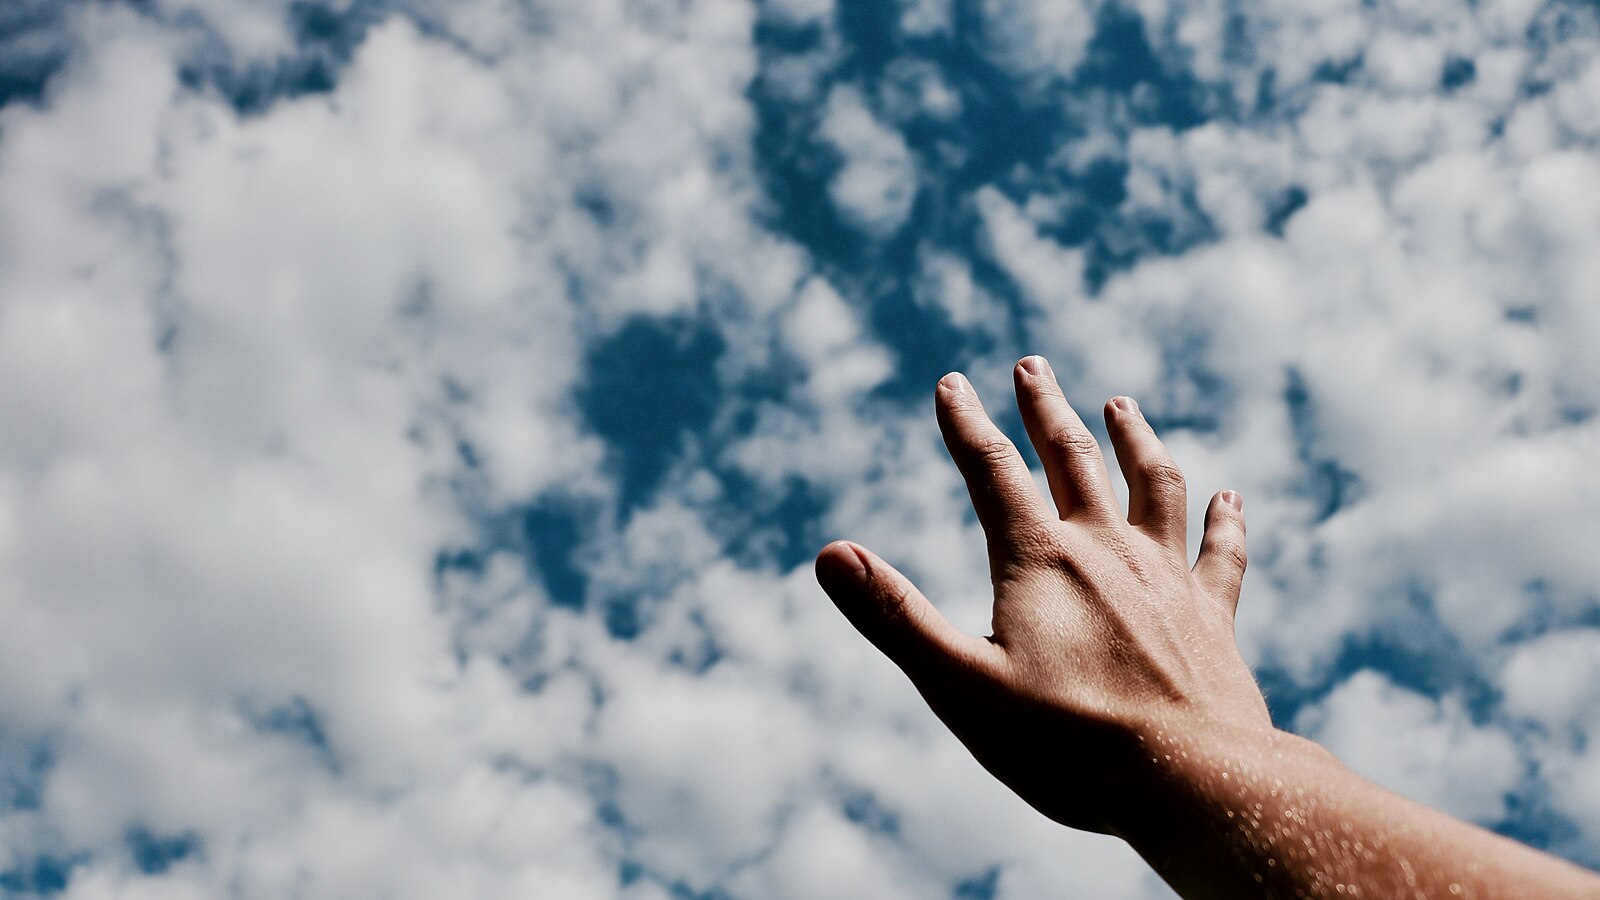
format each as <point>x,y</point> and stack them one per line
<point>1045,42</point>
<point>1428,750</point>
<point>1553,684</point>
<point>877,184</point>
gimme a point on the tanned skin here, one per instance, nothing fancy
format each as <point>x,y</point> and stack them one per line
<point>1112,696</point>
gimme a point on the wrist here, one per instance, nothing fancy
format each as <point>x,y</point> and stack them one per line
<point>1191,769</point>
<point>1214,796</point>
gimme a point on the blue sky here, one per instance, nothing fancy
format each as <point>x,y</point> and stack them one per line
<point>422,417</point>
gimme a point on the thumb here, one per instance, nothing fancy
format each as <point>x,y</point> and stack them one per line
<point>890,612</point>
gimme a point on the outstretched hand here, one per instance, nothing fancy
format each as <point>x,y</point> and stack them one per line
<point>1104,638</point>
<point>1112,696</point>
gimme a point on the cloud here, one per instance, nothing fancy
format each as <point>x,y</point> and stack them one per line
<point>1038,40</point>
<point>420,418</point>
<point>877,184</point>
<point>1564,712</point>
<point>1428,750</point>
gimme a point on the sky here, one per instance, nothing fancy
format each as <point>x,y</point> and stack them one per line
<point>419,418</point>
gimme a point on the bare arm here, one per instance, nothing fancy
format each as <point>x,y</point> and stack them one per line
<point>1112,697</point>
<point>1289,820</point>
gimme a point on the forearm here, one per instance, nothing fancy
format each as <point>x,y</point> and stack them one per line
<point>1276,815</point>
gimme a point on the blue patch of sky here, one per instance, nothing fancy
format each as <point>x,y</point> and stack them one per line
<point>1547,609</point>
<point>552,530</point>
<point>1413,650</point>
<point>681,891</point>
<point>1530,819</point>
<point>43,876</point>
<point>1338,71</point>
<point>35,44</point>
<point>1330,485</point>
<point>1192,395</point>
<point>1458,72</point>
<point>624,615</point>
<point>25,765</point>
<point>325,39</point>
<point>701,653</point>
<point>630,871</point>
<point>296,720</point>
<point>863,808</point>
<point>32,48</point>
<point>651,391</point>
<point>1420,656</point>
<point>646,388</point>
<point>154,853</point>
<point>1291,201</point>
<point>983,886</point>
<point>1557,23</point>
<point>630,613</point>
<point>761,525</point>
<point>548,533</point>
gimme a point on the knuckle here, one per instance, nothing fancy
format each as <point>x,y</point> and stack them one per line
<point>1036,540</point>
<point>1074,439</point>
<point>894,602</point>
<point>1230,549</point>
<point>1162,475</point>
<point>993,449</point>
<point>1028,548</point>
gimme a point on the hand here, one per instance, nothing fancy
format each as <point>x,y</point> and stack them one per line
<point>1112,697</point>
<point>1105,640</point>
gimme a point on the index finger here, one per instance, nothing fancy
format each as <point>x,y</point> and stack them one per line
<point>1003,493</point>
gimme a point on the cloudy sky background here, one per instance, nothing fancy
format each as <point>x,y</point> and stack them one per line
<point>417,418</point>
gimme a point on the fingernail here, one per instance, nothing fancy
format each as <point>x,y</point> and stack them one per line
<point>1037,366</point>
<point>1126,404</point>
<point>839,564</point>
<point>1233,499</point>
<point>955,382</point>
